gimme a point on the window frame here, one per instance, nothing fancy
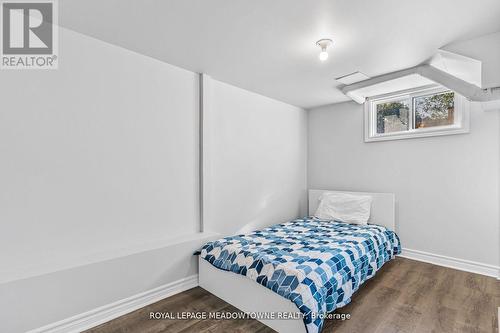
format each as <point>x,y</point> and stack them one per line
<point>460,124</point>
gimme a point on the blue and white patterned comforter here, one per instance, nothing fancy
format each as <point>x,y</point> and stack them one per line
<point>316,264</point>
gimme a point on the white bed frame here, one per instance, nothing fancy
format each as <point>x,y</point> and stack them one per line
<point>249,296</point>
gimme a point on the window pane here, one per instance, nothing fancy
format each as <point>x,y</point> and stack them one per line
<point>434,110</point>
<point>392,116</point>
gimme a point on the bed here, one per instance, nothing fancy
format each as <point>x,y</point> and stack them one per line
<point>290,275</point>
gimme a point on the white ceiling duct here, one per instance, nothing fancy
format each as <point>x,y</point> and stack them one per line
<point>417,77</point>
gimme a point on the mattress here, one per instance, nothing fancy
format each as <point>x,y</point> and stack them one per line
<point>316,264</point>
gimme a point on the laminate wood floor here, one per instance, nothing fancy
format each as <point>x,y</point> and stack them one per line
<point>404,296</point>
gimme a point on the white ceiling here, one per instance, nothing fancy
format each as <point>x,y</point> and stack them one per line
<point>268,46</point>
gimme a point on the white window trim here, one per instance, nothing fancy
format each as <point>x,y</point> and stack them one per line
<point>461,123</point>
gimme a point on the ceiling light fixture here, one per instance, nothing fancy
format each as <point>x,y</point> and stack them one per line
<point>323,44</point>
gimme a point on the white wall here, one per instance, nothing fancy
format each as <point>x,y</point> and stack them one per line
<point>99,195</point>
<point>256,171</point>
<point>99,159</point>
<point>446,187</point>
<point>52,298</point>
<point>97,154</point>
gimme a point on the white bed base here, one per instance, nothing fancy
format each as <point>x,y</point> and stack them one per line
<point>251,297</point>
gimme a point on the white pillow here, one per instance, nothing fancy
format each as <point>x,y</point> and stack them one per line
<point>343,207</point>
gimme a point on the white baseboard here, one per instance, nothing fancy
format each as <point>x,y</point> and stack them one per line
<point>114,310</point>
<point>460,264</point>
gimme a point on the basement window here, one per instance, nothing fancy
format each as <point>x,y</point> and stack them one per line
<point>429,111</point>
